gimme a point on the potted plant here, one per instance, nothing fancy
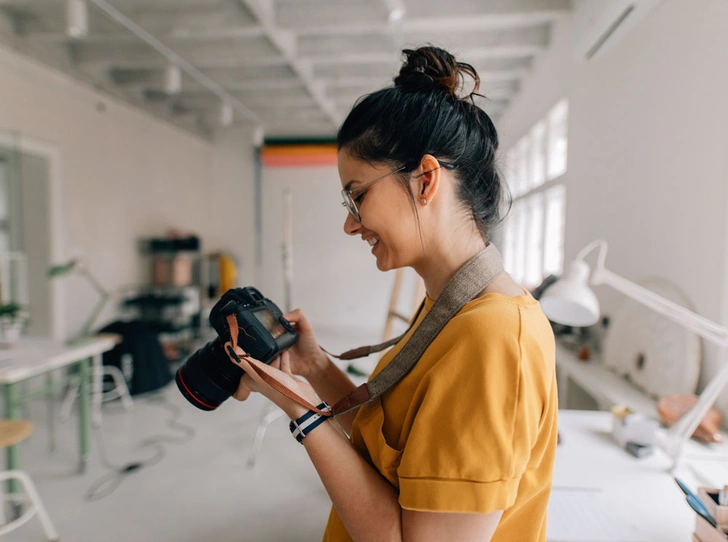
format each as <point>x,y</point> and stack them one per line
<point>12,319</point>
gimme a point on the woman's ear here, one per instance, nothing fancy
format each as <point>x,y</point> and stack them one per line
<point>427,180</point>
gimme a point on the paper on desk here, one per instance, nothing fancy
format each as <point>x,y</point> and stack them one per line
<point>585,515</point>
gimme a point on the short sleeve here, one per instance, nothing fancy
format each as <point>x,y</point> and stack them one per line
<point>470,433</point>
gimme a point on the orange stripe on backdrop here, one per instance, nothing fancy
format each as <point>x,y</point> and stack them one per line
<point>298,155</point>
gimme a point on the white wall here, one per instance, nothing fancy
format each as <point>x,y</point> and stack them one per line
<point>336,281</point>
<point>125,175</point>
<point>648,142</point>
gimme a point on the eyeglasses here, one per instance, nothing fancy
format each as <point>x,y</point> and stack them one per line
<point>349,195</point>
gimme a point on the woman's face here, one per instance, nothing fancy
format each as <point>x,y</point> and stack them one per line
<point>388,222</point>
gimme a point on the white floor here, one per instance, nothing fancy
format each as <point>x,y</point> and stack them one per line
<point>201,489</point>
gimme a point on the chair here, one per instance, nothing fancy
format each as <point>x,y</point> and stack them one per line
<point>13,432</point>
<point>119,391</point>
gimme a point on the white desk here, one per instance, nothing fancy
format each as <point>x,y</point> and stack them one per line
<point>642,490</point>
<point>31,358</point>
<point>603,385</point>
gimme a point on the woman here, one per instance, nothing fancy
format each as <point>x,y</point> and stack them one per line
<point>462,448</point>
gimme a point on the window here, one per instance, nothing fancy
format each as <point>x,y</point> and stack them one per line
<point>557,119</point>
<point>533,236</point>
<point>533,273</point>
<point>553,250</point>
<point>538,155</point>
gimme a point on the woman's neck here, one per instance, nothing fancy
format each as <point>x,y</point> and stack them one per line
<point>443,259</point>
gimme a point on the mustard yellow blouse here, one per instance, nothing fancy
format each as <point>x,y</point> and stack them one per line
<point>472,428</point>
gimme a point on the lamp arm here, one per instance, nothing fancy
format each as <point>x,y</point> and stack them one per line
<point>95,283</point>
<point>677,313</point>
<point>88,326</point>
<point>673,440</point>
<point>602,252</point>
<point>103,293</point>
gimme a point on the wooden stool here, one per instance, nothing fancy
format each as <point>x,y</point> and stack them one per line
<point>13,432</point>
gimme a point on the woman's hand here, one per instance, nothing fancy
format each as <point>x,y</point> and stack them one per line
<point>306,356</point>
<point>279,370</point>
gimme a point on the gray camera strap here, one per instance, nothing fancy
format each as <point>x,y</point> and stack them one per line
<point>471,279</point>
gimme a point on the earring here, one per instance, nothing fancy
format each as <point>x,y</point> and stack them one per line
<point>423,201</point>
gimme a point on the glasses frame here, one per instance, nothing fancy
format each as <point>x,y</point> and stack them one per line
<point>348,194</point>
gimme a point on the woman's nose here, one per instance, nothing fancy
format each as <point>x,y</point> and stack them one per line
<point>351,226</point>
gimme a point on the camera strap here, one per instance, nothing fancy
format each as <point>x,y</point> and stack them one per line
<point>236,354</point>
<point>470,280</point>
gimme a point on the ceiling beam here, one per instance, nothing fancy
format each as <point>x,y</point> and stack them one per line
<point>383,64</point>
<point>365,81</point>
<point>311,15</point>
<point>286,43</point>
<point>466,55</point>
<point>154,62</point>
<point>174,58</point>
<point>230,86</point>
<point>493,39</point>
<point>410,27</point>
<point>426,25</point>
<point>178,35</point>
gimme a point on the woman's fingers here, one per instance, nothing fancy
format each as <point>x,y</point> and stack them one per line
<point>285,363</point>
<point>297,317</point>
<point>243,391</point>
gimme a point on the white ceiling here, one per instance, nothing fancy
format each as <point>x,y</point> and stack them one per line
<point>295,66</point>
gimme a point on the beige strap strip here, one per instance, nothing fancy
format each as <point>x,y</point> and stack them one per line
<point>364,351</point>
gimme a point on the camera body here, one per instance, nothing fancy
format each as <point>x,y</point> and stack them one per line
<point>208,377</point>
<point>264,333</point>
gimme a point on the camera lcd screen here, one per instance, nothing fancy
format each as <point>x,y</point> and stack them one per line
<point>266,318</point>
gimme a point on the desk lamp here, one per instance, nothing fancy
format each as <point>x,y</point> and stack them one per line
<point>77,267</point>
<point>571,302</point>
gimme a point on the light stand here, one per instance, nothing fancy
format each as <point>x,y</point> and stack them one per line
<point>570,301</point>
<point>270,412</point>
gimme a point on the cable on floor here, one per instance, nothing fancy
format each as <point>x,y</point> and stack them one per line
<point>109,482</point>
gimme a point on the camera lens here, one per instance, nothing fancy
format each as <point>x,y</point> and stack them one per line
<point>208,377</point>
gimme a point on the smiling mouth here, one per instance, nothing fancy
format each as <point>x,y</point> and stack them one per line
<point>373,241</point>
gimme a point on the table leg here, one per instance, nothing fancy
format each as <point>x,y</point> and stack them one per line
<point>50,391</point>
<point>12,458</point>
<point>84,412</point>
<point>562,384</point>
<point>97,372</point>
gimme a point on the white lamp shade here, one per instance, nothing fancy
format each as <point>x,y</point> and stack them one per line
<point>570,301</point>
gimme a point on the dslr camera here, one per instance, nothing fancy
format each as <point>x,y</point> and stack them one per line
<point>208,377</point>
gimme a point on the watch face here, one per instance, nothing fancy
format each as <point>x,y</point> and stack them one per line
<point>270,322</point>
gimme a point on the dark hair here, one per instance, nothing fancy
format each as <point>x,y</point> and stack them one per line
<point>424,114</point>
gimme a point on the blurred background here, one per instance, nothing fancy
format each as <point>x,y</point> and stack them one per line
<point>154,153</point>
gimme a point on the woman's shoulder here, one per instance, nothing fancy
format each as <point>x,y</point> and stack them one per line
<point>496,322</point>
<point>496,310</point>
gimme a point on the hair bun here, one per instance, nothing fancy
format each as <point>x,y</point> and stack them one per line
<point>429,68</point>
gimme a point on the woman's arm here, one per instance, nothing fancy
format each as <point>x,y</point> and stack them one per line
<point>331,384</point>
<point>308,360</point>
<point>365,501</point>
